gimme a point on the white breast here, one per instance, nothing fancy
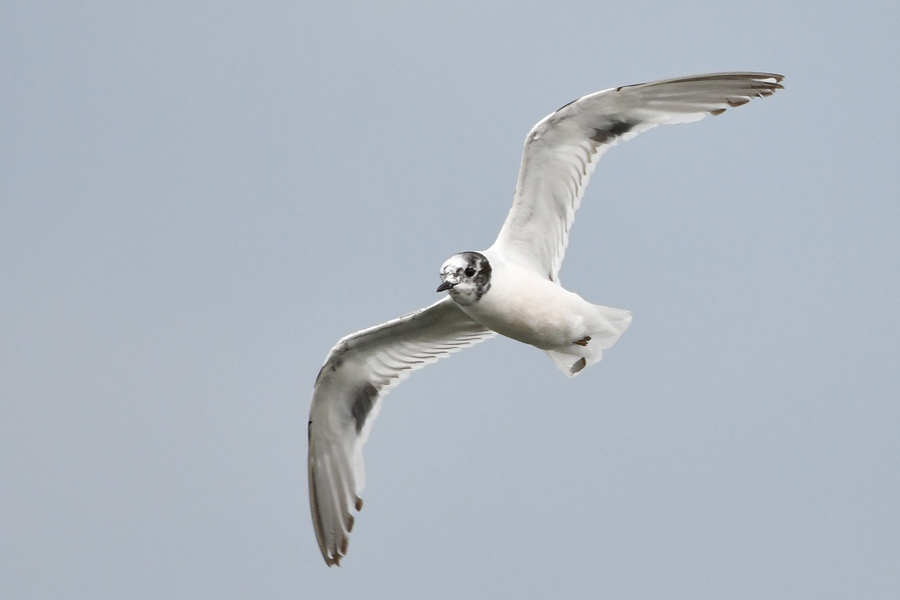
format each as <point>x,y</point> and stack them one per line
<point>526,307</point>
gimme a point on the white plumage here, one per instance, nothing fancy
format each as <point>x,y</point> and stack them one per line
<point>512,288</point>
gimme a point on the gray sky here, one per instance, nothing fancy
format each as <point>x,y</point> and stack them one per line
<point>198,199</point>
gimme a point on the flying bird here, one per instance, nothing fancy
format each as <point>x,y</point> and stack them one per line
<point>512,288</point>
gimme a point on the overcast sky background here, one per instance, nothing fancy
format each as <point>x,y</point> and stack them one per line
<point>198,199</point>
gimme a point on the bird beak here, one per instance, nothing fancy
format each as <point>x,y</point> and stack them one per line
<point>446,285</point>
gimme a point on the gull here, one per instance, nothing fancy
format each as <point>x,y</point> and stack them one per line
<point>511,289</point>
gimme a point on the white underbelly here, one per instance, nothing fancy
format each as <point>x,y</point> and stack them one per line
<point>536,312</point>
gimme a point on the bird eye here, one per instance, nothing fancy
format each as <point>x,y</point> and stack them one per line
<point>469,272</point>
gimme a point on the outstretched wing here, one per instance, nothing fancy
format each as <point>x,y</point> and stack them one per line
<point>358,373</point>
<point>562,150</point>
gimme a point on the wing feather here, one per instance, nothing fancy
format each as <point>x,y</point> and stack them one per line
<point>562,150</point>
<point>358,373</point>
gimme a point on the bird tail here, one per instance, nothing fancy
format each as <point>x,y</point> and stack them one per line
<point>603,328</point>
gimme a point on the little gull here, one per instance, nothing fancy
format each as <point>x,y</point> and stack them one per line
<point>512,288</point>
